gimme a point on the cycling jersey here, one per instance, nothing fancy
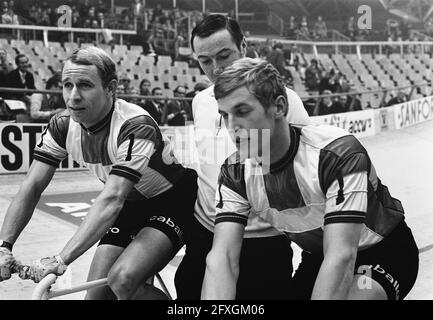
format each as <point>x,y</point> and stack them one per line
<point>325,177</point>
<point>127,143</point>
<point>213,145</point>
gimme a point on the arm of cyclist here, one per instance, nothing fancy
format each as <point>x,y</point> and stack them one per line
<point>336,272</point>
<point>222,262</point>
<point>99,219</point>
<point>21,210</point>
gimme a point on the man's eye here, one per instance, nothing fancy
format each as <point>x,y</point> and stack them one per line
<point>223,57</point>
<point>205,62</point>
<point>242,112</point>
<point>67,85</point>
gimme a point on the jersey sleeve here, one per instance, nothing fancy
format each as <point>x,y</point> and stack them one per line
<point>137,141</point>
<point>231,199</point>
<point>51,147</point>
<point>345,184</point>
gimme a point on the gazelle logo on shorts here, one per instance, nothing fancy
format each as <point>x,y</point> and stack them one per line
<point>364,282</point>
<point>170,223</point>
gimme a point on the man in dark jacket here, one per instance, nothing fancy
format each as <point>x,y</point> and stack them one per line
<point>21,77</point>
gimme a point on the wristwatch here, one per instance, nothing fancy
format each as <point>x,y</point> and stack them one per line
<point>6,245</point>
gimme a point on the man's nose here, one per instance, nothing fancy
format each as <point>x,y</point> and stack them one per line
<point>75,94</point>
<point>232,124</point>
<point>217,69</point>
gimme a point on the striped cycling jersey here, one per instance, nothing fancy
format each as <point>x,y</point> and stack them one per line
<point>126,143</point>
<point>325,177</point>
<point>213,146</point>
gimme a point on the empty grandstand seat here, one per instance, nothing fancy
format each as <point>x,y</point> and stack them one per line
<point>147,60</point>
<point>36,44</point>
<point>164,60</point>
<point>194,71</point>
<point>54,45</point>
<point>182,65</point>
<point>18,43</point>
<point>70,46</point>
<point>134,48</point>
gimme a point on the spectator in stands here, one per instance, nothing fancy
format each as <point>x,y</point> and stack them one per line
<point>251,50</point>
<point>145,87</point>
<point>32,13</point>
<point>76,19</point>
<point>21,77</point>
<point>353,103</point>
<point>176,109</point>
<point>84,8</point>
<point>199,86</point>
<point>392,30</point>
<point>304,32</point>
<point>351,28</point>
<point>100,19</point>
<point>320,29</point>
<point>265,49</point>
<point>330,82</point>
<point>399,98</point>
<point>293,56</point>
<point>8,16</point>
<point>157,12</point>
<point>5,67</point>
<point>343,84</point>
<point>125,81</point>
<point>52,16</point>
<point>155,107</point>
<point>327,105</point>
<point>138,9</point>
<point>312,76</point>
<point>405,28</point>
<point>276,58</point>
<point>44,106</point>
<point>292,28</point>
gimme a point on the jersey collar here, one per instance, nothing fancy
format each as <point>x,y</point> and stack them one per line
<point>295,134</point>
<point>100,125</point>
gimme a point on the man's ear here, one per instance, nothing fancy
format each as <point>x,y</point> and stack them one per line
<point>281,107</point>
<point>112,86</point>
<point>243,47</point>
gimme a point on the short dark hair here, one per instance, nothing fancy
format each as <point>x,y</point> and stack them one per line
<point>18,57</point>
<point>216,22</point>
<point>53,81</point>
<point>154,89</point>
<point>143,81</point>
<point>178,87</point>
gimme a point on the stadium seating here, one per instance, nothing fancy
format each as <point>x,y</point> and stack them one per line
<point>368,73</point>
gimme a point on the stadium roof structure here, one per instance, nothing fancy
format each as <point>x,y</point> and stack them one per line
<point>413,10</point>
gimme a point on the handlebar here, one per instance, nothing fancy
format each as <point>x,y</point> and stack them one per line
<point>42,290</point>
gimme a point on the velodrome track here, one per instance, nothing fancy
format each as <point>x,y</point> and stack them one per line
<point>403,160</point>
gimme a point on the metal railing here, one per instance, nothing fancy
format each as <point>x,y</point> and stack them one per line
<point>72,31</point>
<point>355,47</point>
<point>383,92</point>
